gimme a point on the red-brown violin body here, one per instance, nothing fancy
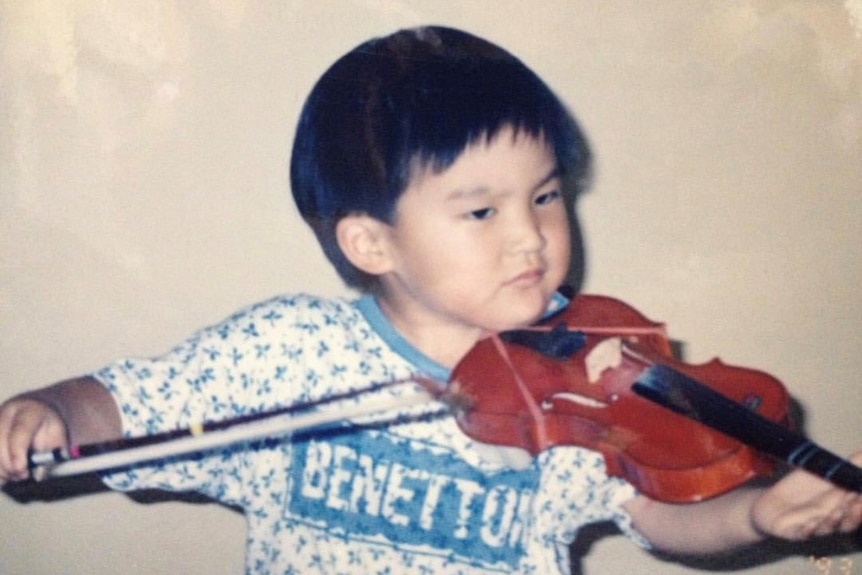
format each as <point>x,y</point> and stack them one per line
<point>522,398</point>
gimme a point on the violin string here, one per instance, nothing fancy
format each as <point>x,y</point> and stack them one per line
<point>533,407</point>
<point>604,330</point>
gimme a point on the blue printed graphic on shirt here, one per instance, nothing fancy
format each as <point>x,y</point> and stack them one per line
<point>369,484</point>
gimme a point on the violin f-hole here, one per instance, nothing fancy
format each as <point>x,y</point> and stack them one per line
<point>574,398</point>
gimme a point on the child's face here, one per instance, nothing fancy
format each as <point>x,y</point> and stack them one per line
<point>483,244</point>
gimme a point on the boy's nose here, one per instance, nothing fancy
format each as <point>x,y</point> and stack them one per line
<point>527,234</point>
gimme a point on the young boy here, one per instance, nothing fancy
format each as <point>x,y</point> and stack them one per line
<point>430,164</point>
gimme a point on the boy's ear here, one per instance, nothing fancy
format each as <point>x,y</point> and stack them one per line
<point>363,240</point>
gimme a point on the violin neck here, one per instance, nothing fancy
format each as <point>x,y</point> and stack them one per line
<point>684,395</point>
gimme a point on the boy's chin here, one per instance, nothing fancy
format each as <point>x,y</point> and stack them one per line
<point>525,316</point>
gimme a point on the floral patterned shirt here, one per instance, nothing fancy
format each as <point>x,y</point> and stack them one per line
<point>402,492</point>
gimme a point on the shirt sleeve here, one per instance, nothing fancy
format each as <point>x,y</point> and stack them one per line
<point>250,362</point>
<point>582,493</point>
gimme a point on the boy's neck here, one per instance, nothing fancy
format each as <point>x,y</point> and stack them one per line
<point>444,342</point>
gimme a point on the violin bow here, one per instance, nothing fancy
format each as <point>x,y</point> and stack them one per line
<point>108,455</point>
<point>686,396</point>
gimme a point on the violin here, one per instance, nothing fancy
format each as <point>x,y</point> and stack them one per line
<point>600,375</point>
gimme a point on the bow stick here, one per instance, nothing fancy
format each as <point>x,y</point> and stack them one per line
<point>80,459</point>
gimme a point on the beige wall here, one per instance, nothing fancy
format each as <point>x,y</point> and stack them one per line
<point>143,194</point>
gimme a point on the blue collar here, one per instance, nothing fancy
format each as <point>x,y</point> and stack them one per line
<point>378,321</point>
<point>369,308</point>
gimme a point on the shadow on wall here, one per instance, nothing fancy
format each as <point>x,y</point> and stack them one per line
<point>91,484</point>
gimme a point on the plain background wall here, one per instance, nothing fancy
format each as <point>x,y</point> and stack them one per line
<point>144,194</point>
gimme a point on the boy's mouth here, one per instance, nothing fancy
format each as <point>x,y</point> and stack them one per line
<point>527,278</point>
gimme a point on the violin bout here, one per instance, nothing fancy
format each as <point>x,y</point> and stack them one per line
<point>521,396</point>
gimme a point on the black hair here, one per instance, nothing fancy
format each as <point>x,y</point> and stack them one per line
<point>412,100</point>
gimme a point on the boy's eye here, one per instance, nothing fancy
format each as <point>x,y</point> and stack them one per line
<point>481,214</point>
<point>547,197</point>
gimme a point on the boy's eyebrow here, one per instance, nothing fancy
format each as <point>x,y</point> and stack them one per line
<point>461,193</point>
<point>555,173</point>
